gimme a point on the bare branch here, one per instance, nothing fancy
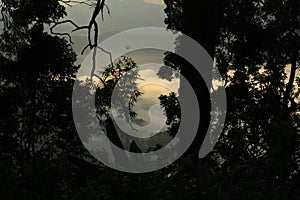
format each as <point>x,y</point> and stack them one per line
<point>110,56</point>
<point>70,2</point>
<point>66,34</point>
<point>83,50</point>
<point>63,34</point>
<point>108,10</point>
<point>93,25</point>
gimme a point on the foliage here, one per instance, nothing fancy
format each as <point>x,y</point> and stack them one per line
<point>257,157</point>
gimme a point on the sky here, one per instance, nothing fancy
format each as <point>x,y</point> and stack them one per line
<point>125,15</point>
<point>161,2</point>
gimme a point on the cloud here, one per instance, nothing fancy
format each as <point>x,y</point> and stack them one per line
<point>126,14</point>
<point>160,2</point>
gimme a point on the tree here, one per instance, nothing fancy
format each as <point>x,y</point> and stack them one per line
<point>258,39</point>
<point>257,157</point>
<point>38,138</point>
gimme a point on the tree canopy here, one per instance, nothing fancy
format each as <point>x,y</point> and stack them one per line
<point>255,45</point>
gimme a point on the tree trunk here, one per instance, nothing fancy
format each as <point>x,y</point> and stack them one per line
<point>202,23</point>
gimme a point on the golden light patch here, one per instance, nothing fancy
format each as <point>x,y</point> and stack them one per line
<point>151,92</point>
<point>160,2</point>
<point>154,90</point>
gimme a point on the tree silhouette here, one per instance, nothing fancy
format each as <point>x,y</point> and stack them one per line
<point>258,41</point>
<point>255,45</point>
<point>41,154</point>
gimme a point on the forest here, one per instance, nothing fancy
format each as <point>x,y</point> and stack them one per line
<point>254,43</point>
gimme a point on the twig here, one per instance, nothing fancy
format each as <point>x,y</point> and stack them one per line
<point>69,2</point>
<point>92,26</point>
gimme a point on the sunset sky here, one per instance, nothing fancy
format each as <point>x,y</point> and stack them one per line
<point>125,15</point>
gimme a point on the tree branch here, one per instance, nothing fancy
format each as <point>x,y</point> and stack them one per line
<point>92,26</point>
<point>291,79</point>
<point>70,2</point>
